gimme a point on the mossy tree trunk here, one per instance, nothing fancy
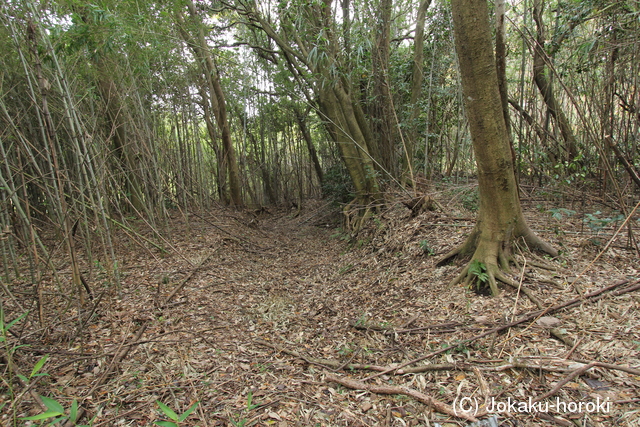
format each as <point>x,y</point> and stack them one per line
<point>343,126</point>
<point>500,219</point>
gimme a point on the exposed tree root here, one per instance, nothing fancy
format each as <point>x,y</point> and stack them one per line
<point>491,259</point>
<point>356,215</point>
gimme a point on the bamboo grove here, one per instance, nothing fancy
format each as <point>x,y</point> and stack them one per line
<point>117,114</point>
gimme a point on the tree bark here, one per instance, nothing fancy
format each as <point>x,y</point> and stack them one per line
<point>344,130</point>
<point>540,71</point>
<point>221,167</point>
<point>300,117</point>
<point>501,66</point>
<point>337,105</point>
<point>500,219</point>
<point>417,78</point>
<point>201,50</point>
<point>382,122</point>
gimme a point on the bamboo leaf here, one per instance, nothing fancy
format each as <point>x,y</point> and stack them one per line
<point>52,405</point>
<point>43,416</point>
<point>167,411</point>
<point>38,365</point>
<point>188,412</point>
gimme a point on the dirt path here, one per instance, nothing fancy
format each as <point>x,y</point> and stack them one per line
<point>266,296</point>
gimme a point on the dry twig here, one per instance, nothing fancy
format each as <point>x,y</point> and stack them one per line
<point>593,296</point>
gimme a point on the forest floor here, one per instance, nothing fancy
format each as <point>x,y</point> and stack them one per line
<point>259,315</point>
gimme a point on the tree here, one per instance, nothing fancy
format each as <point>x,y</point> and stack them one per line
<point>540,73</point>
<point>500,219</point>
<point>216,97</point>
<point>417,76</point>
<point>309,44</point>
<point>381,108</point>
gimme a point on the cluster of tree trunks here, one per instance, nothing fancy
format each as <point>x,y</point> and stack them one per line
<point>213,100</point>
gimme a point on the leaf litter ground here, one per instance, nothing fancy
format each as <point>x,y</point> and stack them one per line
<point>272,303</point>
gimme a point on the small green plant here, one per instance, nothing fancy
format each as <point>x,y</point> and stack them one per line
<point>175,418</point>
<point>99,265</point>
<point>35,372</point>
<point>9,350</point>
<point>426,248</point>
<point>571,171</point>
<point>596,224</point>
<point>560,213</point>
<point>462,348</point>
<point>242,420</point>
<point>479,270</point>
<point>363,242</point>
<point>55,413</point>
<point>362,320</point>
<point>4,327</point>
<point>264,368</point>
<point>344,350</point>
<point>470,200</point>
<point>340,234</point>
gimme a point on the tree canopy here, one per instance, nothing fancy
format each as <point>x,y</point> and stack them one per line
<point>117,117</point>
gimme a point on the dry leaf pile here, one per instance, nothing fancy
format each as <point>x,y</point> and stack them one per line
<point>276,317</point>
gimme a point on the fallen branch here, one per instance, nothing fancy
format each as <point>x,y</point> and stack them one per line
<point>441,407</point>
<point>233,237</point>
<point>612,367</point>
<point>581,370</point>
<point>325,363</point>
<point>186,279</point>
<point>335,365</point>
<point>403,329</point>
<point>593,296</point>
<point>528,292</point>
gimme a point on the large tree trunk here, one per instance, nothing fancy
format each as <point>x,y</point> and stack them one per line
<point>220,111</point>
<point>500,220</point>
<point>345,131</point>
<point>501,62</point>
<point>221,167</point>
<point>337,104</point>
